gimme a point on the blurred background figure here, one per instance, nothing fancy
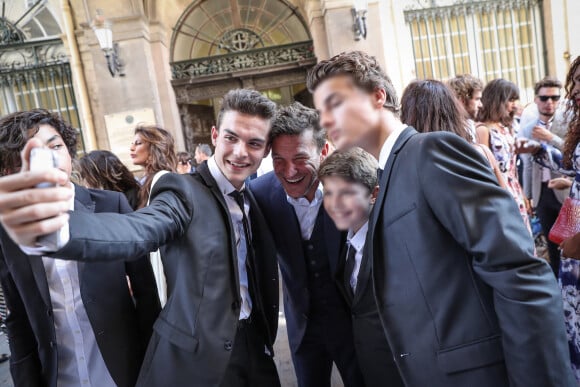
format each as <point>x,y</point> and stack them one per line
<point>467,89</point>
<point>202,153</point>
<point>546,201</point>
<point>184,163</point>
<point>102,169</point>
<point>496,131</point>
<point>153,148</point>
<point>431,106</point>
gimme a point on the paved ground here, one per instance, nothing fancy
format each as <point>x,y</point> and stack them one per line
<point>283,361</point>
<point>5,379</point>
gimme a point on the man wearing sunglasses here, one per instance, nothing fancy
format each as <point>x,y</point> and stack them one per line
<point>545,129</point>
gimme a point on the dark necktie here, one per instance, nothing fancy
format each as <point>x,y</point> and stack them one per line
<point>239,198</point>
<point>349,267</point>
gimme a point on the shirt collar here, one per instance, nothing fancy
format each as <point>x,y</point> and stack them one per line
<point>389,144</point>
<point>223,183</point>
<point>302,201</point>
<point>358,240</point>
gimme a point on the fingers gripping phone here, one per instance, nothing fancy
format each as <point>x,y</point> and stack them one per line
<point>42,159</point>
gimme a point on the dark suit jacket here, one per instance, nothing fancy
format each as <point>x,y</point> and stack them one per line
<point>372,349</point>
<point>194,334</point>
<point>462,299</point>
<point>122,328</point>
<point>285,228</point>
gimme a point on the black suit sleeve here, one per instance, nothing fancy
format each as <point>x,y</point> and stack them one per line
<point>485,221</point>
<point>106,236</point>
<point>25,365</point>
<point>143,286</point>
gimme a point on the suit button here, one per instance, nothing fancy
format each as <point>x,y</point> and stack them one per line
<point>316,275</point>
<point>310,247</point>
<point>274,306</point>
<point>228,345</point>
<point>313,262</point>
<point>51,344</point>
<point>49,312</point>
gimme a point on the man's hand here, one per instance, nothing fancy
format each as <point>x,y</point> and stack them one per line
<point>571,247</point>
<point>523,145</point>
<point>27,212</point>
<point>542,134</point>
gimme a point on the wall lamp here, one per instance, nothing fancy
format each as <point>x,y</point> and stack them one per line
<point>104,33</point>
<point>359,19</point>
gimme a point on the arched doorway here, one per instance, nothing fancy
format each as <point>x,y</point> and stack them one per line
<point>218,45</point>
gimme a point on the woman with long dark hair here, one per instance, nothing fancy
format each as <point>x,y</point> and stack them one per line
<point>102,169</point>
<point>430,106</point>
<point>495,130</point>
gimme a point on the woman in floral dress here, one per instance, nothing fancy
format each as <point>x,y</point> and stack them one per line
<point>569,274</point>
<point>495,130</point>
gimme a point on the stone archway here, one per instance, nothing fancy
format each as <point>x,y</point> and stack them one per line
<point>218,45</point>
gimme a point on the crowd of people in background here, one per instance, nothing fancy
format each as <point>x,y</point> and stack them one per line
<point>401,231</point>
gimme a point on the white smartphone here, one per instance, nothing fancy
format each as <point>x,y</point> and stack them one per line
<point>43,159</point>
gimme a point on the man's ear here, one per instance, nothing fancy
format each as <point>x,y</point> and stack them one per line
<point>374,194</point>
<point>214,135</point>
<point>379,96</point>
<point>267,150</point>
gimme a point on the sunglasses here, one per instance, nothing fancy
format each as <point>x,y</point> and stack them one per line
<point>545,98</point>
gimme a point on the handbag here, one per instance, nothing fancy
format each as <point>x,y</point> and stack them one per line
<point>568,222</point>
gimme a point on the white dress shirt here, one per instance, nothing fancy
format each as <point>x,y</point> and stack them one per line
<point>388,145</point>
<point>236,215</point>
<point>307,212</point>
<point>357,242</point>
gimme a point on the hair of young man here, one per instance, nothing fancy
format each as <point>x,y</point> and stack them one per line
<point>464,86</point>
<point>17,128</point>
<point>295,119</point>
<point>494,97</point>
<point>547,82</point>
<point>572,111</point>
<point>103,169</point>
<point>161,155</point>
<point>353,165</point>
<point>430,106</point>
<point>363,69</point>
<point>183,158</point>
<point>245,101</point>
<point>205,149</point>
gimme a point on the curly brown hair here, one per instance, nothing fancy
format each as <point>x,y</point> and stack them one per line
<point>17,128</point>
<point>161,156</point>
<point>573,112</point>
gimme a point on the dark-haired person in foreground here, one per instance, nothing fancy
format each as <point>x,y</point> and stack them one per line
<point>462,299</point>
<point>221,316</point>
<point>71,324</point>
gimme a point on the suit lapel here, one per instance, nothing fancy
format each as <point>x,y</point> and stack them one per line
<point>39,274</point>
<point>209,181</point>
<point>83,203</point>
<point>384,185</point>
<point>284,212</point>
